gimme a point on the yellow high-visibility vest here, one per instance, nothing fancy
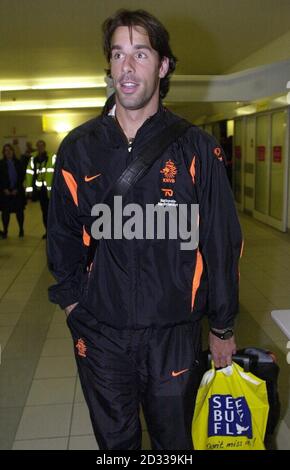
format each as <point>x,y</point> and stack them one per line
<point>43,173</point>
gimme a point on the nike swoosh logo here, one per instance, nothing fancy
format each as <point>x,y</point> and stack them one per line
<point>90,178</point>
<point>176,374</point>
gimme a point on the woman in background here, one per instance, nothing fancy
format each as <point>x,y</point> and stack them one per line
<point>12,193</point>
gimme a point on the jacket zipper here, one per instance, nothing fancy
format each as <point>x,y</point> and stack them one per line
<point>133,319</point>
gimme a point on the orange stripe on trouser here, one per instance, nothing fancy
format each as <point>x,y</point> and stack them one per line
<point>196,277</point>
<point>71,184</point>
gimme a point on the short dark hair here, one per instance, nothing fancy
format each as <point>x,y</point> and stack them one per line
<point>40,141</point>
<point>158,36</point>
<point>10,146</point>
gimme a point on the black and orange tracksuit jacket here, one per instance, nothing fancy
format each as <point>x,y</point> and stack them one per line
<point>142,283</point>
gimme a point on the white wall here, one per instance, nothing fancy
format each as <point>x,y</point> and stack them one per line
<point>275,51</point>
<point>29,128</point>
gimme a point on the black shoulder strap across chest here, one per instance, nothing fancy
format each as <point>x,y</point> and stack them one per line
<point>147,156</point>
<point>139,166</point>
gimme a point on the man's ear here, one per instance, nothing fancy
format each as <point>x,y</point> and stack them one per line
<point>164,66</point>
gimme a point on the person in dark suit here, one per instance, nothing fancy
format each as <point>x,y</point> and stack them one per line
<point>12,192</point>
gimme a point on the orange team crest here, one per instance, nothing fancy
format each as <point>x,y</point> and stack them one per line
<point>81,347</point>
<point>218,153</point>
<point>169,172</point>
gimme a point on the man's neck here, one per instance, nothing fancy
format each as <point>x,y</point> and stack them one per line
<point>131,120</point>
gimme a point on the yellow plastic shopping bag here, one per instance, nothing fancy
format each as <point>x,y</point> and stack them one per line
<point>231,411</point>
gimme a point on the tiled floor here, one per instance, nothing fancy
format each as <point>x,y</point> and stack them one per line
<point>41,402</point>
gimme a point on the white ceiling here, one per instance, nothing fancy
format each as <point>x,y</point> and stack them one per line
<point>62,38</point>
<point>41,38</point>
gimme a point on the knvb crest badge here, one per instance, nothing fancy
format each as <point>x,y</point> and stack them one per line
<point>169,172</point>
<point>229,416</point>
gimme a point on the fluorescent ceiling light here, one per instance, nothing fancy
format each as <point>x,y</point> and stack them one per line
<point>56,104</point>
<point>250,109</point>
<point>56,83</point>
<point>281,99</point>
<point>60,123</point>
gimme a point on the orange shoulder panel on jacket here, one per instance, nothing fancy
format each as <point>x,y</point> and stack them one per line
<point>71,184</point>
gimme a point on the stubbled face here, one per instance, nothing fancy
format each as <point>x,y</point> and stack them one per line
<point>8,152</point>
<point>135,68</point>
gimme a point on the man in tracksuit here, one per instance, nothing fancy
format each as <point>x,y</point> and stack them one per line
<point>135,311</point>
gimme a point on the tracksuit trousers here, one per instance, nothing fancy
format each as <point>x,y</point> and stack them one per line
<point>120,370</point>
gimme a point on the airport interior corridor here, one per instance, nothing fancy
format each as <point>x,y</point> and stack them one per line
<point>41,403</point>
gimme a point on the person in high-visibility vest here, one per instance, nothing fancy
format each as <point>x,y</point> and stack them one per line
<point>39,175</point>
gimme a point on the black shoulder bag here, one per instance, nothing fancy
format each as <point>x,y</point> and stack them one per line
<point>138,167</point>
